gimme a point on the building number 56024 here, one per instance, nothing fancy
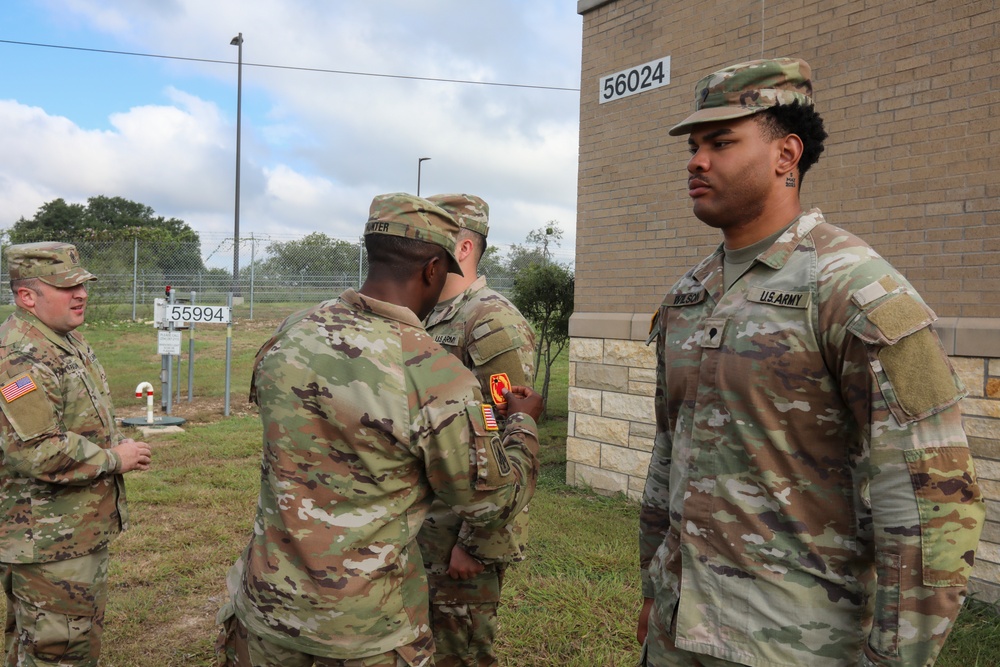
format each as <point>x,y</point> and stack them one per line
<point>635,80</point>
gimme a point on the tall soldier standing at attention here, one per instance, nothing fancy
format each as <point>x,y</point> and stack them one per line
<point>62,495</point>
<point>811,498</point>
<point>465,565</point>
<point>367,420</point>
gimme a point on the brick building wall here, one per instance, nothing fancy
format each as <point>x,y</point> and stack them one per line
<point>910,94</point>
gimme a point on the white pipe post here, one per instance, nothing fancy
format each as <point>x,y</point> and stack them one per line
<point>148,388</point>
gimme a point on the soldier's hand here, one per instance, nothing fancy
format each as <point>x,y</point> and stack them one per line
<point>462,565</point>
<point>134,455</point>
<point>523,399</point>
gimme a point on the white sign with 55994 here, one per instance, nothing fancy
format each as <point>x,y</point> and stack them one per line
<point>197,314</point>
<point>635,80</point>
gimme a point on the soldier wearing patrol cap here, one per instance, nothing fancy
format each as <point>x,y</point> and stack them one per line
<point>811,498</point>
<point>62,495</point>
<point>366,420</point>
<point>465,565</point>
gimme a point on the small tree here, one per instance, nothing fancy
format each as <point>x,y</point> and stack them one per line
<point>544,294</point>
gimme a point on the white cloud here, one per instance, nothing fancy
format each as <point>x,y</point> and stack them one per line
<point>317,146</point>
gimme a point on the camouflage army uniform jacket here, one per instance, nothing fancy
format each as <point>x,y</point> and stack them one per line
<point>365,420</point>
<point>488,333</point>
<point>811,498</point>
<point>59,495</point>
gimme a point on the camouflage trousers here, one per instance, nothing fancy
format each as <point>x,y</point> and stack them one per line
<point>237,647</point>
<point>55,611</point>
<point>464,619</point>
<point>659,649</point>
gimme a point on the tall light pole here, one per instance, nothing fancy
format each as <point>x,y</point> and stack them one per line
<point>420,162</point>
<point>237,42</point>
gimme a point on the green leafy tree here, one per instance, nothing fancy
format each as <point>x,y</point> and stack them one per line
<point>537,248</point>
<point>169,245</point>
<point>316,256</point>
<point>102,219</point>
<point>544,295</point>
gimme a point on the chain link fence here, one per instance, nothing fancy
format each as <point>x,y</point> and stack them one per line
<point>273,277</point>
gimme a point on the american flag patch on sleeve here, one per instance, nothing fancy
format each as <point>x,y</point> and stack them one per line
<point>18,388</point>
<point>489,418</point>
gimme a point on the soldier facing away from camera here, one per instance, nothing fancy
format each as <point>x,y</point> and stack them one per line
<point>465,565</point>
<point>62,494</point>
<point>366,420</point>
<point>811,498</point>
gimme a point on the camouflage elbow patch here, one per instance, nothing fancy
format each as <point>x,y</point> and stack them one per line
<point>951,510</point>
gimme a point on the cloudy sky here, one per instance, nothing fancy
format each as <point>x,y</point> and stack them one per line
<point>318,142</point>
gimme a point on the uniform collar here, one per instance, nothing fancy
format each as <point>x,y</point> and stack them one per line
<point>392,311</point>
<point>781,250</point>
<point>68,342</point>
<point>446,310</point>
<point>709,271</point>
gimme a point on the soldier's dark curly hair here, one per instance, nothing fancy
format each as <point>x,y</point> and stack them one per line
<point>400,255</point>
<point>803,121</point>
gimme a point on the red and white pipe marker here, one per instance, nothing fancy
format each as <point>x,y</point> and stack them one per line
<point>148,387</point>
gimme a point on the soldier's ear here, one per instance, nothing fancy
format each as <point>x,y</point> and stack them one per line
<point>26,296</point>
<point>430,271</point>
<point>789,151</point>
<point>464,248</point>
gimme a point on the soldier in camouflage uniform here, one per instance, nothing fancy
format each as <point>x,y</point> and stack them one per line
<point>465,565</point>
<point>811,498</point>
<point>62,495</point>
<point>366,420</point>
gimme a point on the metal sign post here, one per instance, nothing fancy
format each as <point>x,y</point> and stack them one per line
<point>169,317</point>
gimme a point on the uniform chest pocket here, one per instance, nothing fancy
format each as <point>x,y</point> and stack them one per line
<point>773,323</point>
<point>82,396</point>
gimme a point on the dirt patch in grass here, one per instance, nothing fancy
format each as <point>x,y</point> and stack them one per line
<point>200,410</point>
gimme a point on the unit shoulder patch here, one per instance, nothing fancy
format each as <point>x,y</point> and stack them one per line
<point>499,382</point>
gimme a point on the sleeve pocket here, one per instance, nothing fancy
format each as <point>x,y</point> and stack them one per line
<point>950,506</point>
<point>493,468</point>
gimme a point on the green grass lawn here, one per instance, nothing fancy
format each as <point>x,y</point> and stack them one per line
<point>573,602</point>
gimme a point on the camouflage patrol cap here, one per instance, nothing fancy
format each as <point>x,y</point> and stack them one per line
<point>402,214</point>
<point>469,211</point>
<point>54,263</point>
<point>744,89</point>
